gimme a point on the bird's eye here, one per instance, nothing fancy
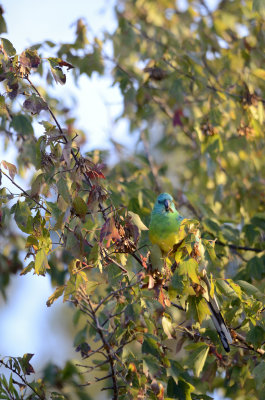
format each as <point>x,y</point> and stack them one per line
<point>160,202</point>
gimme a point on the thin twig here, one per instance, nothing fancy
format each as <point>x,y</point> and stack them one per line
<point>177,306</point>
<point>124,270</point>
<point>23,379</point>
<point>249,346</point>
<point>66,141</point>
<point>107,347</point>
<point>24,192</point>
<point>113,293</point>
<point>235,247</point>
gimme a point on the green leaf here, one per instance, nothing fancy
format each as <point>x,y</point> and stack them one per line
<point>73,245</point>
<point>181,390</point>
<point>25,363</point>
<point>156,257</point>
<point>248,288</point>
<point>190,268</point>
<point>225,289</point>
<point>210,249</point>
<point>37,183</point>
<point>258,6</point>
<point>56,71</point>
<point>91,286</point>
<point>256,336</point>
<point>251,232</point>
<point>3,28</point>
<point>58,292</point>
<point>255,268</point>
<point>175,370</point>
<point>211,226</point>
<point>198,308</point>
<point>197,356</point>
<point>55,210</point>
<point>28,268</point>
<point>150,346</point>
<point>70,289</point>
<point>259,221</point>
<point>63,190</point>
<point>151,366</point>
<point>177,282</point>
<point>41,262</point>
<point>137,221</point>
<point>80,207</point>
<point>259,373</point>
<point>22,125</point>
<point>22,216</point>
<point>235,287</point>
<point>8,47</point>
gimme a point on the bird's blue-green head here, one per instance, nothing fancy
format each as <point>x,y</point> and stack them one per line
<point>164,204</point>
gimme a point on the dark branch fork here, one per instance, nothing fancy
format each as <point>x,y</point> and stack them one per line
<point>66,142</point>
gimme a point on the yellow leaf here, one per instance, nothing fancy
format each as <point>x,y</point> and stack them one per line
<point>259,73</point>
<point>58,292</point>
<point>190,268</point>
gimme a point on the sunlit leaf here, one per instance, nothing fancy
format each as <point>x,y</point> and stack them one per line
<point>58,292</point>
<point>8,47</point>
<point>190,268</point>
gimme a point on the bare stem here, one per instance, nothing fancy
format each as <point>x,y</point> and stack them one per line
<point>105,343</point>
<point>235,247</point>
<point>24,192</point>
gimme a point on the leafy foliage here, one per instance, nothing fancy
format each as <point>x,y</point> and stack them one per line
<point>193,85</point>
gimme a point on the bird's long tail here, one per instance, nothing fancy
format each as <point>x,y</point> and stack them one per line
<point>217,317</point>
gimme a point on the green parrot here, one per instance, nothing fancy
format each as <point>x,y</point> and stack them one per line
<point>167,229</point>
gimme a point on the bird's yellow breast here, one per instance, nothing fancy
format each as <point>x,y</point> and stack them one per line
<point>165,243</point>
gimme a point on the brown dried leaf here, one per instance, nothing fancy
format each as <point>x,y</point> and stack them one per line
<point>12,169</point>
<point>95,171</point>
<point>35,104</point>
<point>29,58</point>
<point>96,194</point>
<point>65,64</point>
<point>109,232</point>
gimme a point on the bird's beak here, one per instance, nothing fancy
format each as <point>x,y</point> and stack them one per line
<point>167,205</point>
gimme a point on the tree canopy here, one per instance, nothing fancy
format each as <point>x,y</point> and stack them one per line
<point>192,80</point>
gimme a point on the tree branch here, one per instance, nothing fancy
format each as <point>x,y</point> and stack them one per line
<point>24,192</point>
<point>235,247</point>
<point>107,346</point>
<point>66,141</point>
<point>241,339</point>
<point>22,378</point>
